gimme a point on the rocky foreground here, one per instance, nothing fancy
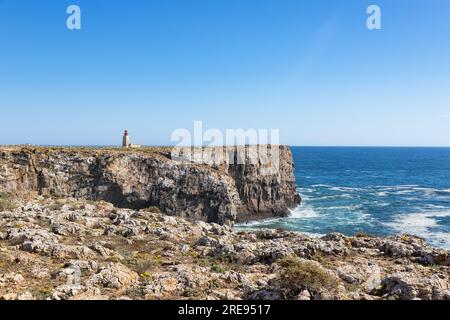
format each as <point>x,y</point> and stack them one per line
<point>77,249</point>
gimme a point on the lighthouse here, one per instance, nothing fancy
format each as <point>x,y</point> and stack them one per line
<point>126,143</point>
<point>126,140</point>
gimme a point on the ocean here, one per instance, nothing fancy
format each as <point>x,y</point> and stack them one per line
<point>379,191</point>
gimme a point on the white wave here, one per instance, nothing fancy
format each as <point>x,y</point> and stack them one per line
<point>334,196</point>
<point>313,234</point>
<point>398,187</point>
<point>354,218</point>
<point>433,206</point>
<point>255,223</point>
<point>445,193</point>
<point>350,207</point>
<point>400,192</point>
<point>422,225</point>
<point>413,198</point>
<point>426,190</point>
<point>410,189</point>
<point>383,204</point>
<point>303,212</point>
<point>326,197</point>
<point>348,189</point>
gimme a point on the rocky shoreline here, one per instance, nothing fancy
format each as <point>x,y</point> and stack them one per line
<point>66,248</point>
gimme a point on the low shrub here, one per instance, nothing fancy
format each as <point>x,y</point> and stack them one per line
<point>7,201</point>
<point>218,268</point>
<point>298,275</point>
<point>362,234</point>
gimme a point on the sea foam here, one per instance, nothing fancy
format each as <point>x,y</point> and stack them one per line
<point>423,224</point>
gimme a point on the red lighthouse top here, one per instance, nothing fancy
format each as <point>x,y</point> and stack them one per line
<point>125,133</point>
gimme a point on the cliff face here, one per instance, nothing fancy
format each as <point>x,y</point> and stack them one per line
<point>265,191</point>
<point>139,179</point>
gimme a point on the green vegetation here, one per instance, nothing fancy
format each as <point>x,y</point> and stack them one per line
<point>143,262</point>
<point>298,275</point>
<point>191,293</point>
<point>363,235</point>
<point>147,276</point>
<point>218,268</point>
<point>114,259</point>
<point>42,293</point>
<point>7,202</point>
<point>213,283</point>
<point>216,264</point>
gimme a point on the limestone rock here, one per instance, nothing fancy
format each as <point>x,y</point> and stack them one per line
<point>140,179</point>
<point>55,249</point>
<point>114,275</point>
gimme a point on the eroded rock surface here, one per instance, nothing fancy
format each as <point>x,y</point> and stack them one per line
<point>220,193</point>
<point>73,249</point>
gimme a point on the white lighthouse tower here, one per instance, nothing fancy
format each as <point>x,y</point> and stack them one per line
<point>126,140</point>
<point>126,143</point>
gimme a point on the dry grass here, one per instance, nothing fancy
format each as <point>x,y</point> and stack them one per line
<point>7,201</point>
<point>298,275</point>
<point>152,209</point>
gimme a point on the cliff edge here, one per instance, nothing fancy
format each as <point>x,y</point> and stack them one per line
<point>137,179</point>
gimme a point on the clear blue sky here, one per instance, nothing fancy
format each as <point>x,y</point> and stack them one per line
<point>310,68</point>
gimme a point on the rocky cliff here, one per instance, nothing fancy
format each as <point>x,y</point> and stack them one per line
<point>77,249</point>
<point>137,179</point>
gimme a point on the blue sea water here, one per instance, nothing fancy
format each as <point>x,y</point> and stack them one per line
<point>380,191</point>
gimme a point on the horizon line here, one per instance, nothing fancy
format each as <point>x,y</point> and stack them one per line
<point>162,145</point>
